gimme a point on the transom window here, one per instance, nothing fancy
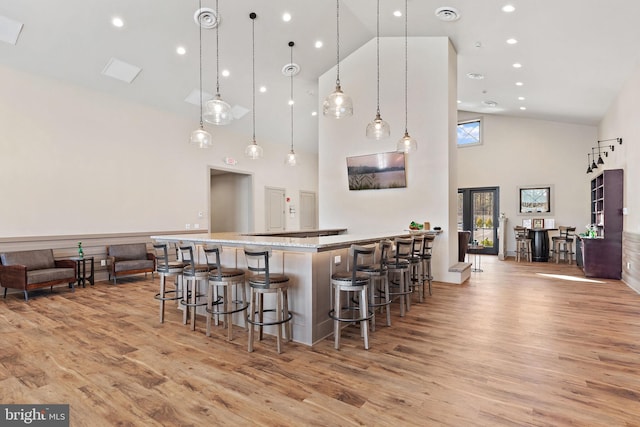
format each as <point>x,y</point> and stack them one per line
<point>470,133</point>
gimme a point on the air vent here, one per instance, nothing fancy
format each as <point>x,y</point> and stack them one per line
<point>490,103</point>
<point>447,13</point>
<point>206,17</point>
<point>290,70</point>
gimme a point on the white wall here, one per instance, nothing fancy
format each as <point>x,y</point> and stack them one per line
<point>519,152</point>
<point>622,121</point>
<point>73,161</point>
<point>431,171</point>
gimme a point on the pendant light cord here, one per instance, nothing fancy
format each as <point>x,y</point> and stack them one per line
<point>337,42</point>
<point>200,40</point>
<point>253,73</point>
<point>292,103</point>
<point>378,57</point>
<point>406,66</point>
<point>217,50</point>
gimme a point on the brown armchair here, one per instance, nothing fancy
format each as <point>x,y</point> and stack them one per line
<point>130,258</point>
<point>27,270</point>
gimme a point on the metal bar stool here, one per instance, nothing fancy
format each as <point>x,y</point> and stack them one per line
<point>352,281</point>
<point>416,266</point>
<point>192,274</point>
<point>261,282</point>
<point>166,268</point>
<point>523,243</point>
<point>228,278</point>
<point>563,244</point>
<point>425,256</point>
<point>399,265</point>
<point>377,271</point>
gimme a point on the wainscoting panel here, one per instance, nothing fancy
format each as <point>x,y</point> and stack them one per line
<point>631,260</point>
<point>94,245</point>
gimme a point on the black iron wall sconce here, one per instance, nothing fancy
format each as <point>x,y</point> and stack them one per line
<point>592,163</point>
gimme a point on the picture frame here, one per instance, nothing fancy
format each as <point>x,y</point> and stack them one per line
<point>526,223</point>
<point>377,171</point>
<point>537,223</point>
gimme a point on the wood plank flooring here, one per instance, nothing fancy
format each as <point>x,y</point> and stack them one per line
<point>511,347</point>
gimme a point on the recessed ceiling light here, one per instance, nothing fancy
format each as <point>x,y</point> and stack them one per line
<point>117,22</point>
<point>490,103</point>
<point>512,41</point>
<point>180,50</point>
<point>263,89</point>
<point>523,108</point>
<point>291,102</point>
<point>447,14</point>
<point>475,76</point>
<point>286,17</point>
<point>521,98</point>
<point>517,65</point>
<point>397,14</point>
<point>459,102</point>
<point>314,113</point>
<point>225,73</point>
<point>508,8</point>
<point>318,44</point>
<point>519,84</point>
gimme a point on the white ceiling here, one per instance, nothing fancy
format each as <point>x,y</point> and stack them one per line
<point>575,54</point>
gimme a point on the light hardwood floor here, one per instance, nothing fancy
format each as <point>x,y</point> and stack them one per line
<point>510,347</point>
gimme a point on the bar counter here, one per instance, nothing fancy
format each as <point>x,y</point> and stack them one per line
<point>309,263</point>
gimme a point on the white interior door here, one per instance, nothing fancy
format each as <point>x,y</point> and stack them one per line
<point>274,199</point>
<point>308,211</point>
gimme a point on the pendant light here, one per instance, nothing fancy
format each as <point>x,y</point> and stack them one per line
<point>290,159</point>
<point>593,164</point>
<point>406,144</point>
<point>337,104</point>
<point>216,111</point>
<point>589,170</point>
<point>378,128</point>
<point>253,150</point>
<point>201,137</point>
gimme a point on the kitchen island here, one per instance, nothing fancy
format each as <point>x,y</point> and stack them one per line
<point>309,262</point>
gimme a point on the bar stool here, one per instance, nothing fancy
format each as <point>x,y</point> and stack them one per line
<point>192,274</point>
<point>416,266</point>
<point>351,281</point>
<point>166,268</point>
<point>425,256</point>
<point>523,243</point>
<point>227,278</point>
<point>264,282</point>
<point>563,244</point>
<point>399,265</point>
<point>378,273</point>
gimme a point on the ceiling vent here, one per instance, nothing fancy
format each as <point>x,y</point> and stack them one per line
<point>447,14</point>
<point>290,70</point>
<point>206,18</point>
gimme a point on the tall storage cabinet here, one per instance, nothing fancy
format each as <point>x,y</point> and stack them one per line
<point>602,256</point>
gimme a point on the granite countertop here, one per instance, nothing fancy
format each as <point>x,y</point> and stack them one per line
<point>305,244</point>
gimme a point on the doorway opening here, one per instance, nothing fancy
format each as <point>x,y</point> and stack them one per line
<point>230,201</point>
<point>478,210</point>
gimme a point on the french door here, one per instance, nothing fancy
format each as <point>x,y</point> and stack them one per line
<point>478,210</point>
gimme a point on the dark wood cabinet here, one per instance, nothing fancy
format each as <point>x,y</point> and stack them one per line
<point>602,256</point>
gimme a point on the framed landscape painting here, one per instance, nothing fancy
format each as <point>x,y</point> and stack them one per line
<point>377,171</point>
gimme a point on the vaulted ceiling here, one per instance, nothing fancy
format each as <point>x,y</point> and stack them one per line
<point>574,54</point>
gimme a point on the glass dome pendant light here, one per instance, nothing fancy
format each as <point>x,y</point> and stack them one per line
<point>253,150</point>
<point>378,128</point>
<point>337,104</point>
<point>217,111</point>
<point>201,137</point>
<point>290,159</point>
<point>406,144</point>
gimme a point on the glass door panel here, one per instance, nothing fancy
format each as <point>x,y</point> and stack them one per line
<point>478,213</point>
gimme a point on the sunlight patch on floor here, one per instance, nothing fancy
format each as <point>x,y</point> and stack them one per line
<point>569,278</point>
